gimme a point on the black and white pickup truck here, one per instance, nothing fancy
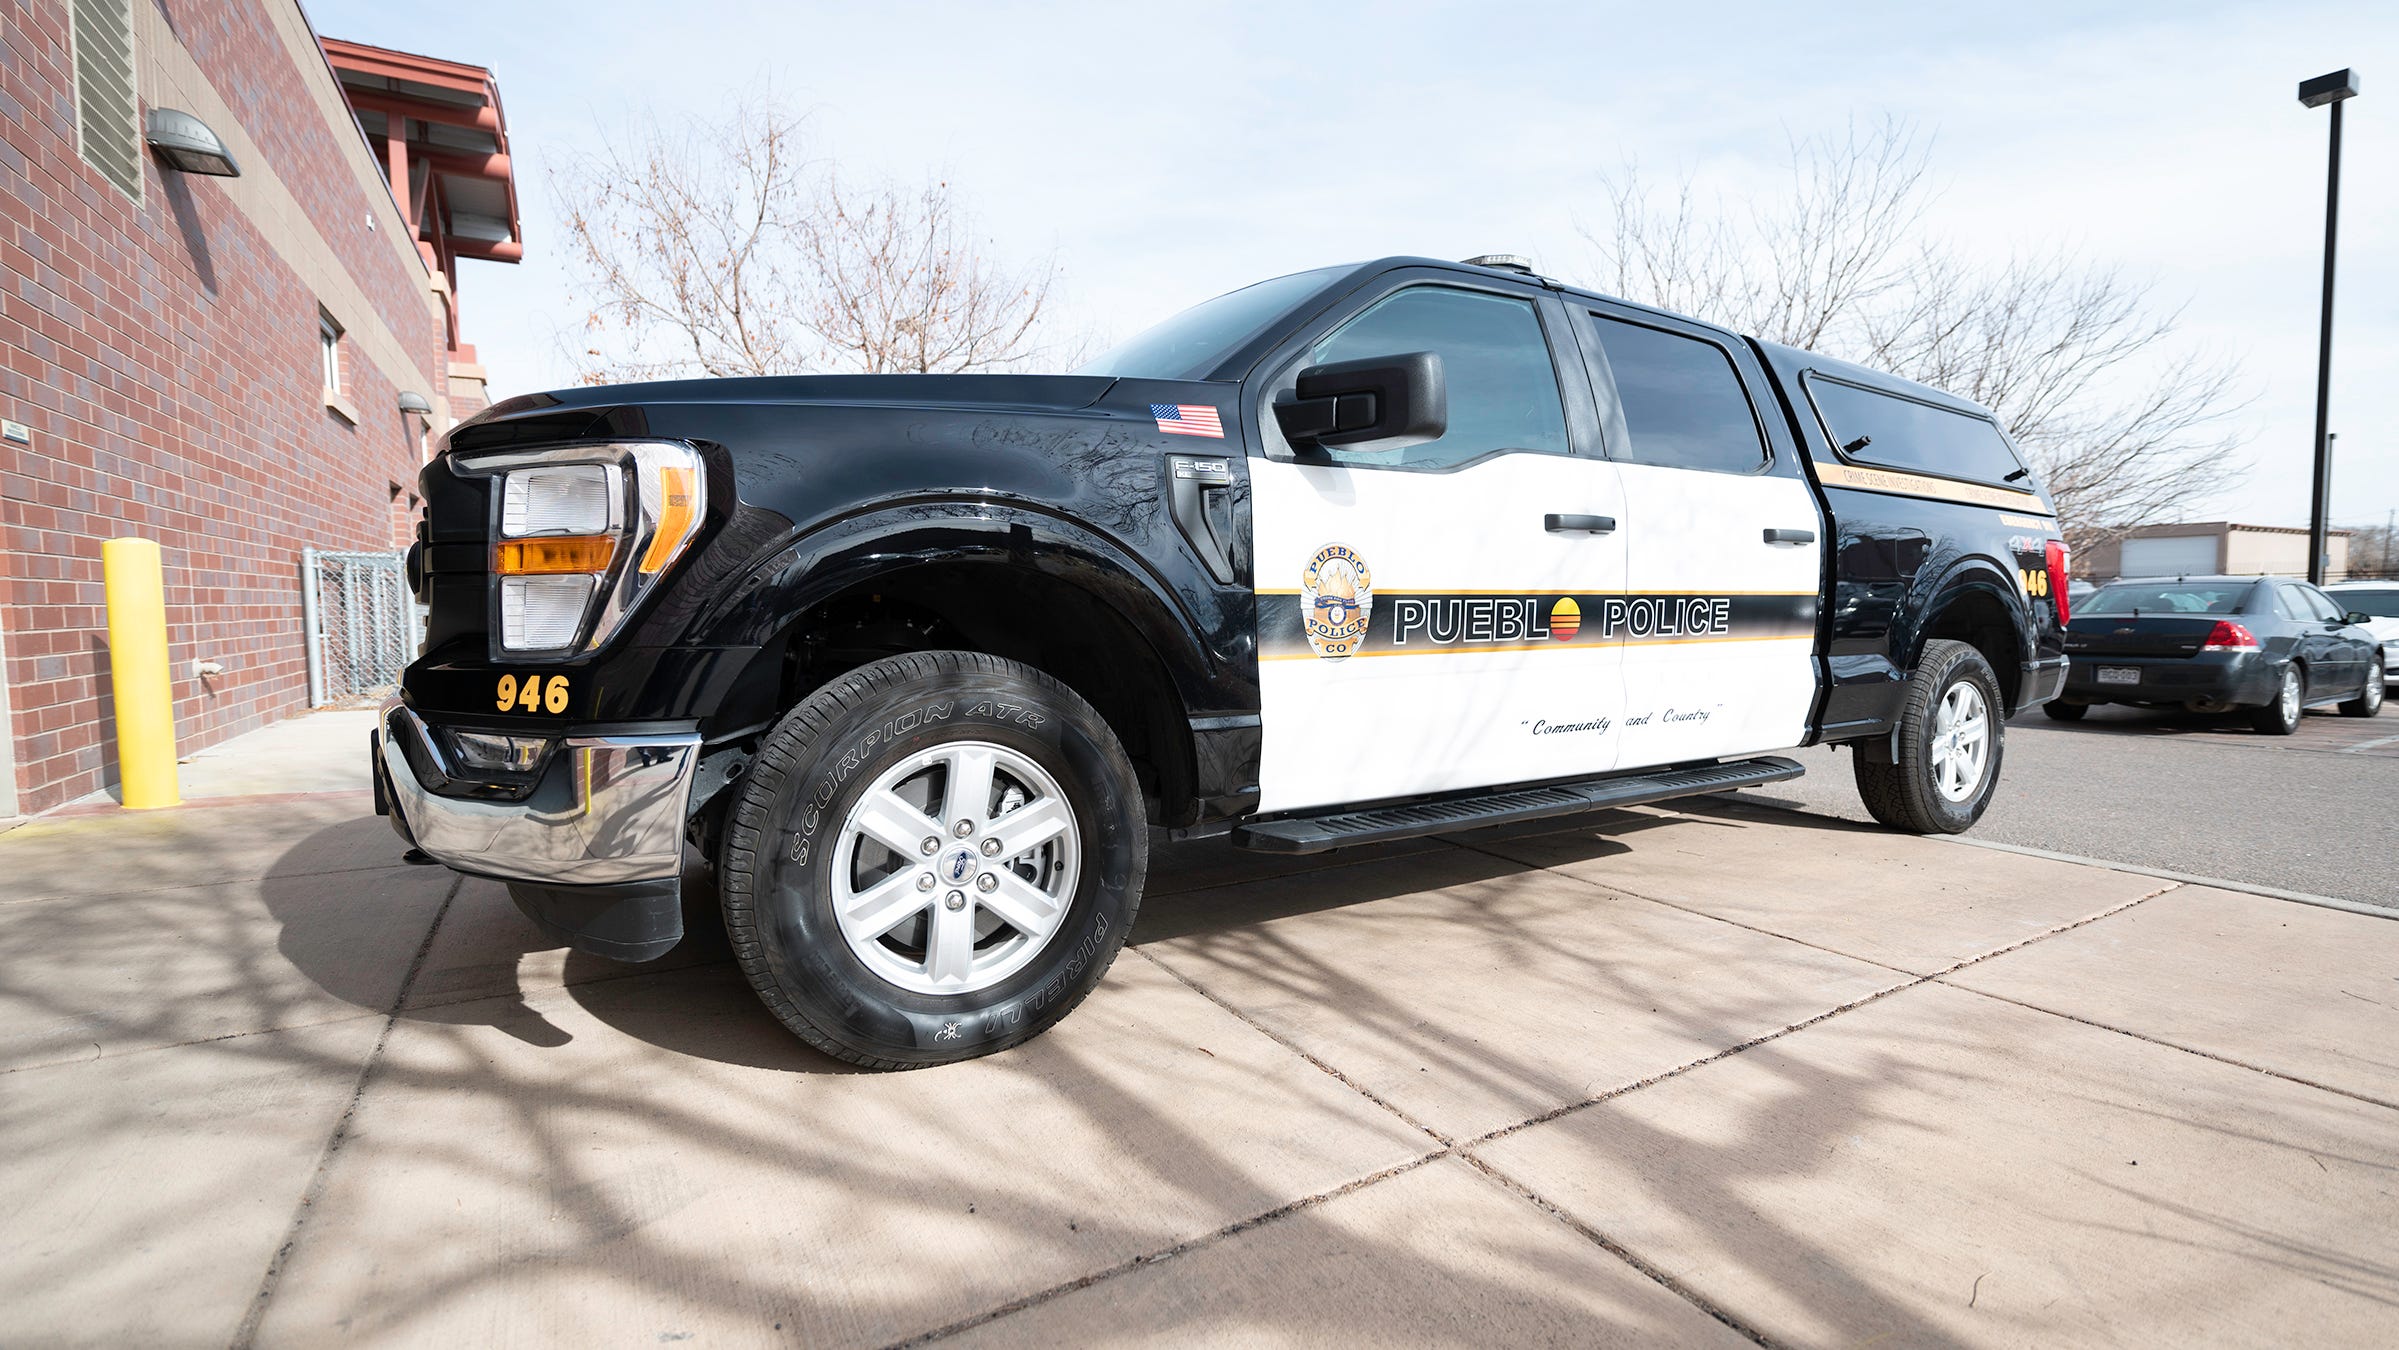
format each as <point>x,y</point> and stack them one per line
<point>917,663</point>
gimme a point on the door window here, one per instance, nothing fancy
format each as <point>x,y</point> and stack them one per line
<point>1503,391</point>
<point>1683,404</point>
<point>2319,603</point>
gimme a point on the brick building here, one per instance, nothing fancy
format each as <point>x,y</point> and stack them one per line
<point>237,367</point>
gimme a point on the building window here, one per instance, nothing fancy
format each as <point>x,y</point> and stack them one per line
<point>329,344</point>
<point>107,121</point>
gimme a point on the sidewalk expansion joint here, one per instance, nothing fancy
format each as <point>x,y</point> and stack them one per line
<point>1616,1249</point>
<point>1163,1254</point>
<point>246,1334</point>
<point>1318,1064</point>
<point>1913,982</point>
<point>230,1036</point>
<point>2165,1044</point>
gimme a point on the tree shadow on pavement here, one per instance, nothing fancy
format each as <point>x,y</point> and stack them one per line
<point>707,1170</point>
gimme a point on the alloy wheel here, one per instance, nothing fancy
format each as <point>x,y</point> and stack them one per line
<point>1961,747</point>
<point>955,868</point>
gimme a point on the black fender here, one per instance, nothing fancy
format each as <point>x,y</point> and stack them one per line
<point>758,610</point>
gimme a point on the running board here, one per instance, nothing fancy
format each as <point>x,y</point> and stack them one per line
<point>1315,834</point>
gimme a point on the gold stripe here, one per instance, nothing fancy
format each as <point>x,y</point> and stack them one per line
<point>1568,646</point>
<point>1918,485</point>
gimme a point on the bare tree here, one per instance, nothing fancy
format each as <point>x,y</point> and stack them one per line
<point>722,249</point>
<point>2123,427</point>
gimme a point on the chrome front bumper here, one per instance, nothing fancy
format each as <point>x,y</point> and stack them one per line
<point>607,810</point>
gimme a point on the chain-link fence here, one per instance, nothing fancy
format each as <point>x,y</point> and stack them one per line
<point>363,625</point>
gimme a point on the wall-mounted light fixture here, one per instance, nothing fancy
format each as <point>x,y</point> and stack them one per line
<point>413,402</point>
<point>186,144</point>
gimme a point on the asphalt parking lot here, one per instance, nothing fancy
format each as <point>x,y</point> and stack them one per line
<point>1719,1075</point>
<point>2317,811</point>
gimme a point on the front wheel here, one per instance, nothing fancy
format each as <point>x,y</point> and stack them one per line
<point>2368,702</point>
<point>2280,717</point>
<point>934,857</point>
<point>1946,764</point>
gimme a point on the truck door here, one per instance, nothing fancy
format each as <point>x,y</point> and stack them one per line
<point>1424,612</point>
<point>1723,542</point>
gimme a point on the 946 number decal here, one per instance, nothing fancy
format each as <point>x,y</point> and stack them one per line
<point>533,693</point>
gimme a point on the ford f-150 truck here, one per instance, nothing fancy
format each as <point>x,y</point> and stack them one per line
<point>918,663</point>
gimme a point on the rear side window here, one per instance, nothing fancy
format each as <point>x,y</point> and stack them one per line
<point>1683,404</point>
<point>2170,597</point>
<point>1900,433</point>
<point>1503,390</point>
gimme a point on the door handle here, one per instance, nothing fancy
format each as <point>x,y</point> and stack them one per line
<point>1790,536</point>
<point>1557,524</point>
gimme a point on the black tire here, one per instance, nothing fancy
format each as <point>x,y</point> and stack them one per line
<point>1903,794</point>
<point>2280,716</point>
<point>779,850</point>
<point>2368,702</point>
<point>2058,710</point>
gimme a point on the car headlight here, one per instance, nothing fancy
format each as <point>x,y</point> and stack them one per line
<point>580,535</point>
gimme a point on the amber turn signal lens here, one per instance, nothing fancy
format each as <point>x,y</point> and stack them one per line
<point>678,512</point>
<point>554,556</point>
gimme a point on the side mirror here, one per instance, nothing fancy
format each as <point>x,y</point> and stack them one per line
<point>2358,617</point>
<point>1395,401</point>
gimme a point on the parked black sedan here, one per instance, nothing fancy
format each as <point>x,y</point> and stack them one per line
<point>2212,644</point>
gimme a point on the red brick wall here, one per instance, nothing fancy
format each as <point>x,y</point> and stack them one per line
<point>166,358</point>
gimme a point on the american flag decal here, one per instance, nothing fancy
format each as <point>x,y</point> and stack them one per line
<point>1188,419</point>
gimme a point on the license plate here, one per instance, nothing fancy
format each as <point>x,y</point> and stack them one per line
<point>2119,675</point>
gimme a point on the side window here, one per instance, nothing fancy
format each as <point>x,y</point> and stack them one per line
<point>1503,391</point>
<point>1683,404</point>
<point>2320,604</point>
<point>1872,427</point>
<point>2292,604</point>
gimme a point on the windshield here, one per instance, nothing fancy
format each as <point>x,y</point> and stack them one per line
<point>2168,597</point>
<point>1193,343</point>
<point>2382,604</point>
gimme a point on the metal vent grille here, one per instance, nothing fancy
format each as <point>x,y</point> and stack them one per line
<point>107,128</point>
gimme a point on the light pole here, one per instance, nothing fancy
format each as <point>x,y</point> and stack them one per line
<point>2335,88</point>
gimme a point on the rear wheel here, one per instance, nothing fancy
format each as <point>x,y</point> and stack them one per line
<point>2280,717</point>
<point>934,857</point>
<point>1948,749</point>
<point>2368,702</point>
<point>2058,710</point>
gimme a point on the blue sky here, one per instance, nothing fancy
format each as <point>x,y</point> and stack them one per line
<point>1165,154</point>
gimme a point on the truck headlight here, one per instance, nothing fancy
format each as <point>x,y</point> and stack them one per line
<point>580,535</point>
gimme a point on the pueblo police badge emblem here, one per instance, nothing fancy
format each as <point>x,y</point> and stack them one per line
<point>1336,598</point>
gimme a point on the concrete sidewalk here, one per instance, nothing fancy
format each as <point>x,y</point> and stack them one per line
<point>1661,1077</point>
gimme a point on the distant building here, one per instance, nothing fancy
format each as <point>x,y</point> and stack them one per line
<point>223,364</point>
<point>2214,548</point>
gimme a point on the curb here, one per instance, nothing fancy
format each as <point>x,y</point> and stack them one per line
<point>2187,878</point>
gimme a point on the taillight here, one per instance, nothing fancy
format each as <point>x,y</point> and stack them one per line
<point>2228,636</point>
<point>2058,557</point>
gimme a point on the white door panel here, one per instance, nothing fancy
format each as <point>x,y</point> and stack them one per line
<point>1466,672</point>
<point>1719,655</point>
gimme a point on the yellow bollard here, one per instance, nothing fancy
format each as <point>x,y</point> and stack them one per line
<point>137,667</point>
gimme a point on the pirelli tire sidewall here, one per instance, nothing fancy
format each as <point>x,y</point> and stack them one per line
<point>789,813</point>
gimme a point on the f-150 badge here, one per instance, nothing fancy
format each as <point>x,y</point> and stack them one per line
<point>1336,599</point>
